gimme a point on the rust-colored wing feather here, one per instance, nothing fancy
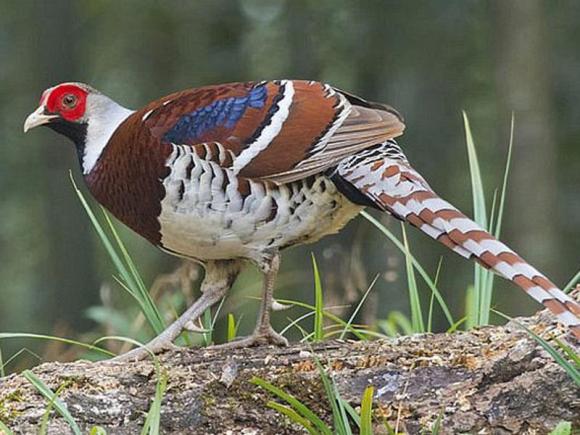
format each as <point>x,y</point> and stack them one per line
<point>279,131</point>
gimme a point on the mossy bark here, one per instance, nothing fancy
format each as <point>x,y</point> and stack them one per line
<point>490,380</point>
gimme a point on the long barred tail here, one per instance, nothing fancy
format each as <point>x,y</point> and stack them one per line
<point>383,176</point>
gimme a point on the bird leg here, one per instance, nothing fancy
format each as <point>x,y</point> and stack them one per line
<point>263,333</point>
<point>219,277</point>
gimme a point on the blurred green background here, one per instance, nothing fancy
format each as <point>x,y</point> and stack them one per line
<point>429,59</point>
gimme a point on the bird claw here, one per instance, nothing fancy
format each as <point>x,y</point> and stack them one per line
<point>192,327</point>
<point>278,306</point>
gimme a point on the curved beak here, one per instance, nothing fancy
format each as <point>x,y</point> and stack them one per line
<point>36,118</point>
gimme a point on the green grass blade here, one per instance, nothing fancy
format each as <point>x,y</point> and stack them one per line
<point>4,335</point>
<point>153,419</point>
<point>390,429</point>
<point>293,416</point>
<point>325,313</point>
<point>569,352</point>
<point>336,330</point>
<point>437,425</point>
<point>492,213</point>
<point>572,283</point>
<point>358,332</point>
<point>149,310</point>
<point>128,260</point>
<point>562,428</point>
<point>208,334</point>
<point>485,307</point>
<point>305,335</point>
<point>357,309</point>
<point>294,322</point>
<point>17,354</point>
<point>414,300</point>
<point>98,430</point>
<point>456,325</point>
<point>318,304</point>
<point>502,197</point>
<point>416,264</point>
<point>562,362</point>
<point>479,216</point>
<point>340,426</point>
<point>395,322</point>
<point>487,293</point>
<point>5,430</point>
<point>294,403</point>
<point>471,308</point>
<point>366,411</point>
<point>142,305</point>
<point>60,407</point>
<point>479,212</point>
<point>430,314</point>
<point>46,416</point>
<point>432,298</point>
<point>341,420</point>
<point>104,238</point>
<point>209,322</point>
<point>216,315</point>
<point>351,412</point>
<point>152,311</point>
<point>232,327</point>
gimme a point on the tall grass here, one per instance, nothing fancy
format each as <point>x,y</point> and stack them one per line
<point>414,300</point>
<point>359,333</point>
<point>5,430</point>
<point>153,420</point>
<point>572,283</point>
<point>318,303</point>
<point>480,294</point>
<point>129,278</point>
<point>572,368</point>
<point>345,419</point>
<point>348,324</point>
<point>53,399</point>
<point>416,265</point>
<point>563,428</point>
<point>90,347</point>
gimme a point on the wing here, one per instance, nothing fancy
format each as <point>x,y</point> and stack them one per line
<point>279,130</point>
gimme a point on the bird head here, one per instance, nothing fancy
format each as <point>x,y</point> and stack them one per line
<point>62,104</point>
<point>81,113</point>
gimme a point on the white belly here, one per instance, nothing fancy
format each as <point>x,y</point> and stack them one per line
<point>202,221</point>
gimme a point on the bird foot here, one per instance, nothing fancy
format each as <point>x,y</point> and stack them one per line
<point>259,338</point>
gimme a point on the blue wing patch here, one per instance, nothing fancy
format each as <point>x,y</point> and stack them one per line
<point>225,112</point>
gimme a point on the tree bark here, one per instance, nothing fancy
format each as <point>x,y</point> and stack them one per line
<point>491,380</point>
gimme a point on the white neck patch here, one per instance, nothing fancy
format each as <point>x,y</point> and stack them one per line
<point>105,116</point>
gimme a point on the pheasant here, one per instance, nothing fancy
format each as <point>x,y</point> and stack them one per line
<point>228,174</point>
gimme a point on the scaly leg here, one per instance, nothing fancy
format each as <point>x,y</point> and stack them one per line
<point>264,333</point>
<point>219,277</point>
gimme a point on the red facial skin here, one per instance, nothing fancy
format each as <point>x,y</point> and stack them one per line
<point>55,102</point>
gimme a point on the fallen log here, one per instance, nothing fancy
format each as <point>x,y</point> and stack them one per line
<point>490,380</point>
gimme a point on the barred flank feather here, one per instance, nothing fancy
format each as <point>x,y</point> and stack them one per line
<point>383,174</point>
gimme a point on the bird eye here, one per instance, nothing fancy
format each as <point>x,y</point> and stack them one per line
<point>69,101</point>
